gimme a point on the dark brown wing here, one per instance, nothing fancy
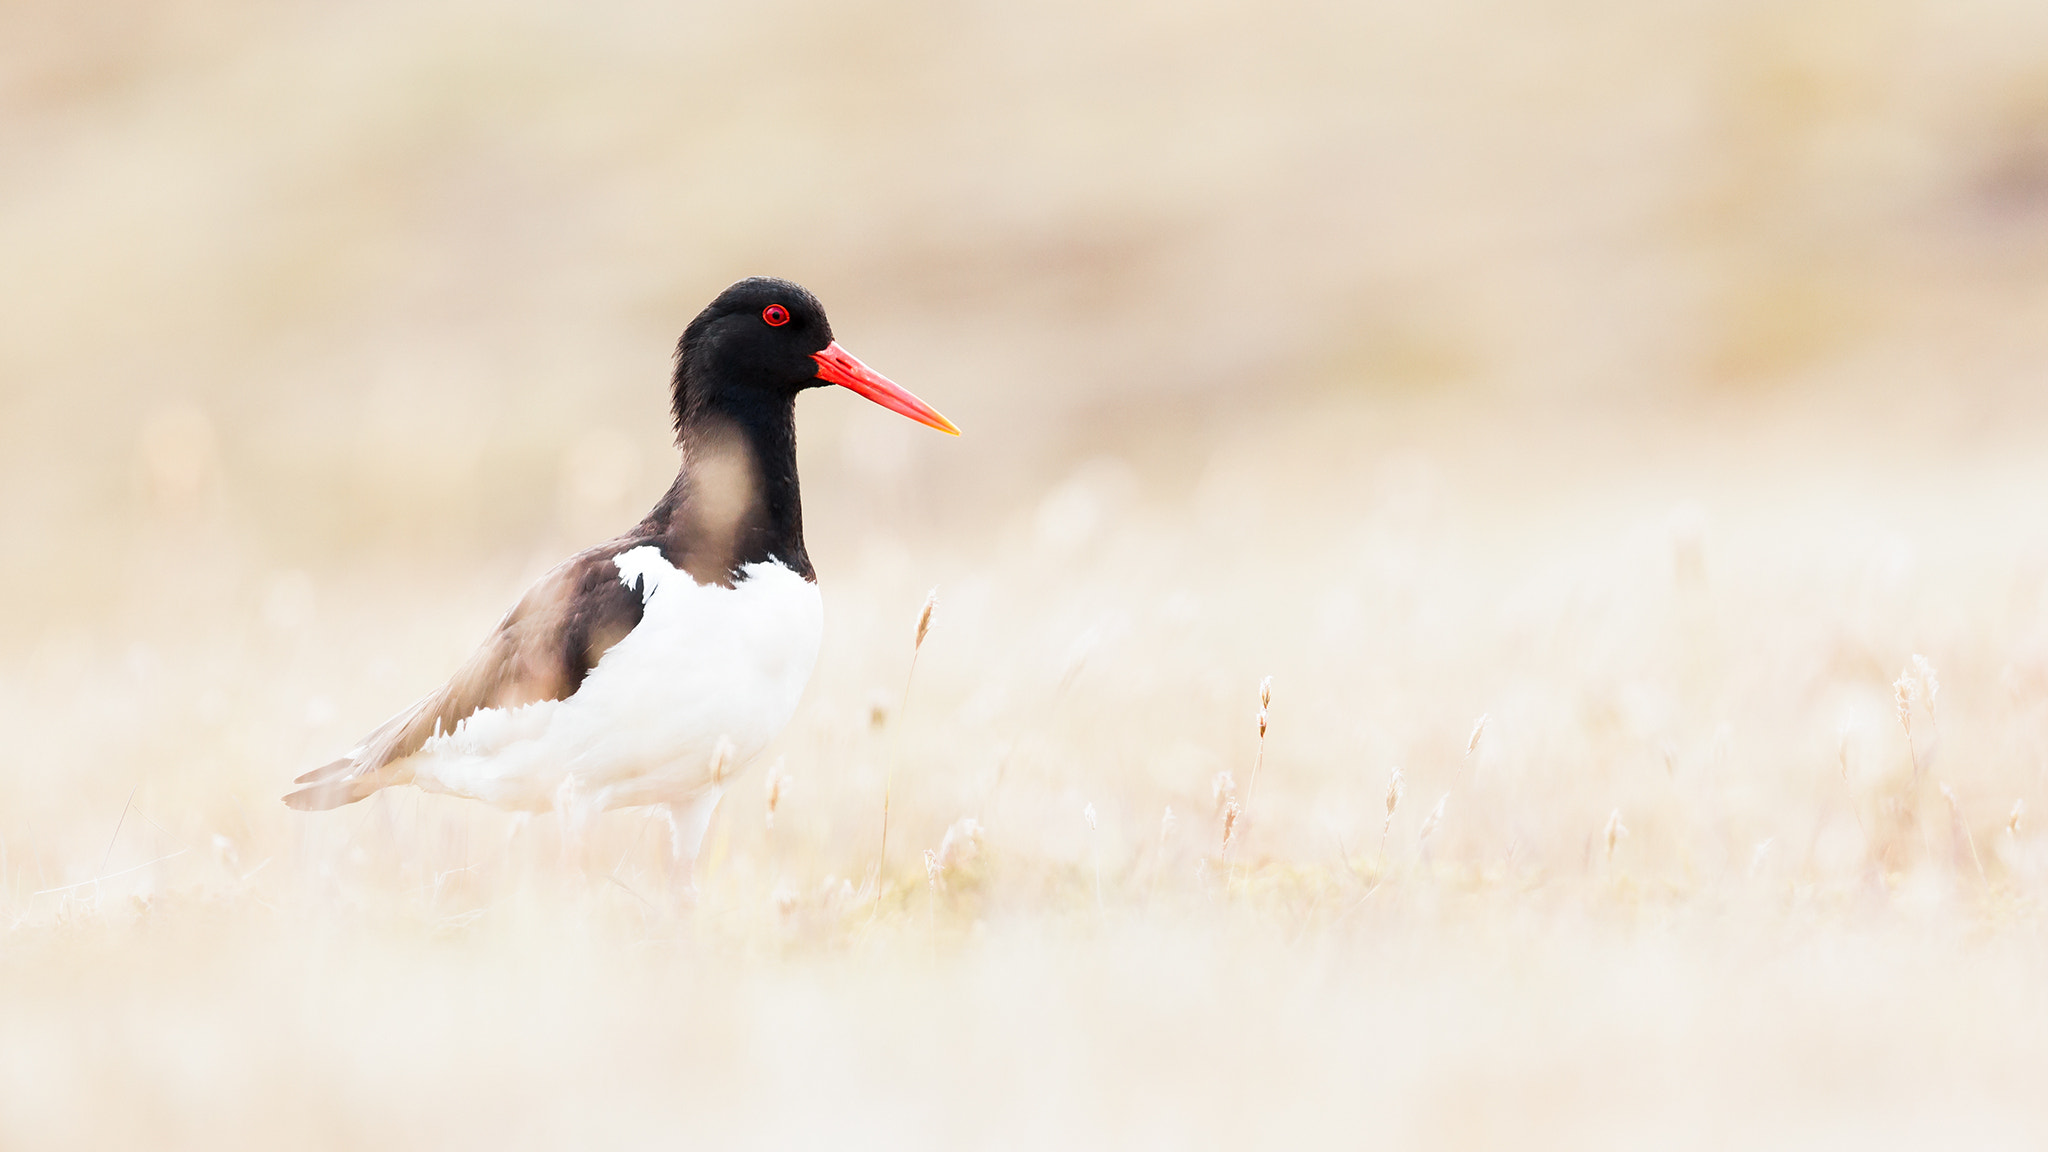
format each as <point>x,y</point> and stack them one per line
<point>542,650</point>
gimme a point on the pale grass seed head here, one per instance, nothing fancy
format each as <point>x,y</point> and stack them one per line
<point>961,844</point>
<point>835,892</point>
<point>1616,831</point>
<point>1930,685</point>
<point>2012,819</point>
<point>931,869</point>
<point>1166,823</point>
<point>722,755</point>
<point>1223,790</point>
<point>1435,818</point>
<point>1088,814</point>
<point>1393,794</point>
<point>924,617</point>
<point>1265,693</point>
<point>1905,690</point>
<point>1231,812</point>
<point>776,784</point>
<point>1760,856</point>
<point>1478,730</point>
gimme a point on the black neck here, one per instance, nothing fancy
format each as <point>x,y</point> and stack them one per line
<point>735,500</point>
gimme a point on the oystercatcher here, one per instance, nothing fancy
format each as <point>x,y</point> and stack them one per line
<point>649,669</point>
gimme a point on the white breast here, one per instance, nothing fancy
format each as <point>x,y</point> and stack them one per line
<point>706,664</point>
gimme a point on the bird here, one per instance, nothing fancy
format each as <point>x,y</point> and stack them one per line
<point>651,668</point>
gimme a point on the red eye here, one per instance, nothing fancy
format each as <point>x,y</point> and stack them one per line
<point>776,315</point>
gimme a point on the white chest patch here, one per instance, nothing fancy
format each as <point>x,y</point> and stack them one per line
<point>706,664</point>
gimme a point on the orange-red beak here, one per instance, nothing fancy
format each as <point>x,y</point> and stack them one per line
<point>837,365</point>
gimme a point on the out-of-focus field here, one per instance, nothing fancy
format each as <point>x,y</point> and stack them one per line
<point>1656,383</point>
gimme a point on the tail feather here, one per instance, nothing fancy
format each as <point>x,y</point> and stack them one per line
<point>343,782</point>
<point>332,785</point>
<point>329,771</point>
<point>321,797</point>
<point>363,771</point>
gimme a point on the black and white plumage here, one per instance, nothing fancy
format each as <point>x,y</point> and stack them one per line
<point>650,668</point>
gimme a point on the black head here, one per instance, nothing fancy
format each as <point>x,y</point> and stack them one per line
<point>759,344</point>
<point>753,344</point>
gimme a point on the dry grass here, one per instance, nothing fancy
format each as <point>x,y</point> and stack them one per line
<point>1626,463</point>
<point>1794,941</point>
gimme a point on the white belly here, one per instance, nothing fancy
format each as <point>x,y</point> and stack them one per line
<point>705,665</point>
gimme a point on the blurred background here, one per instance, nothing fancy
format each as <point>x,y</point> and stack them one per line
<point>1655,379</point>
<point>319,287</point>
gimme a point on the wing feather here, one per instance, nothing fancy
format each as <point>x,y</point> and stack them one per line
<point>541,650</point>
